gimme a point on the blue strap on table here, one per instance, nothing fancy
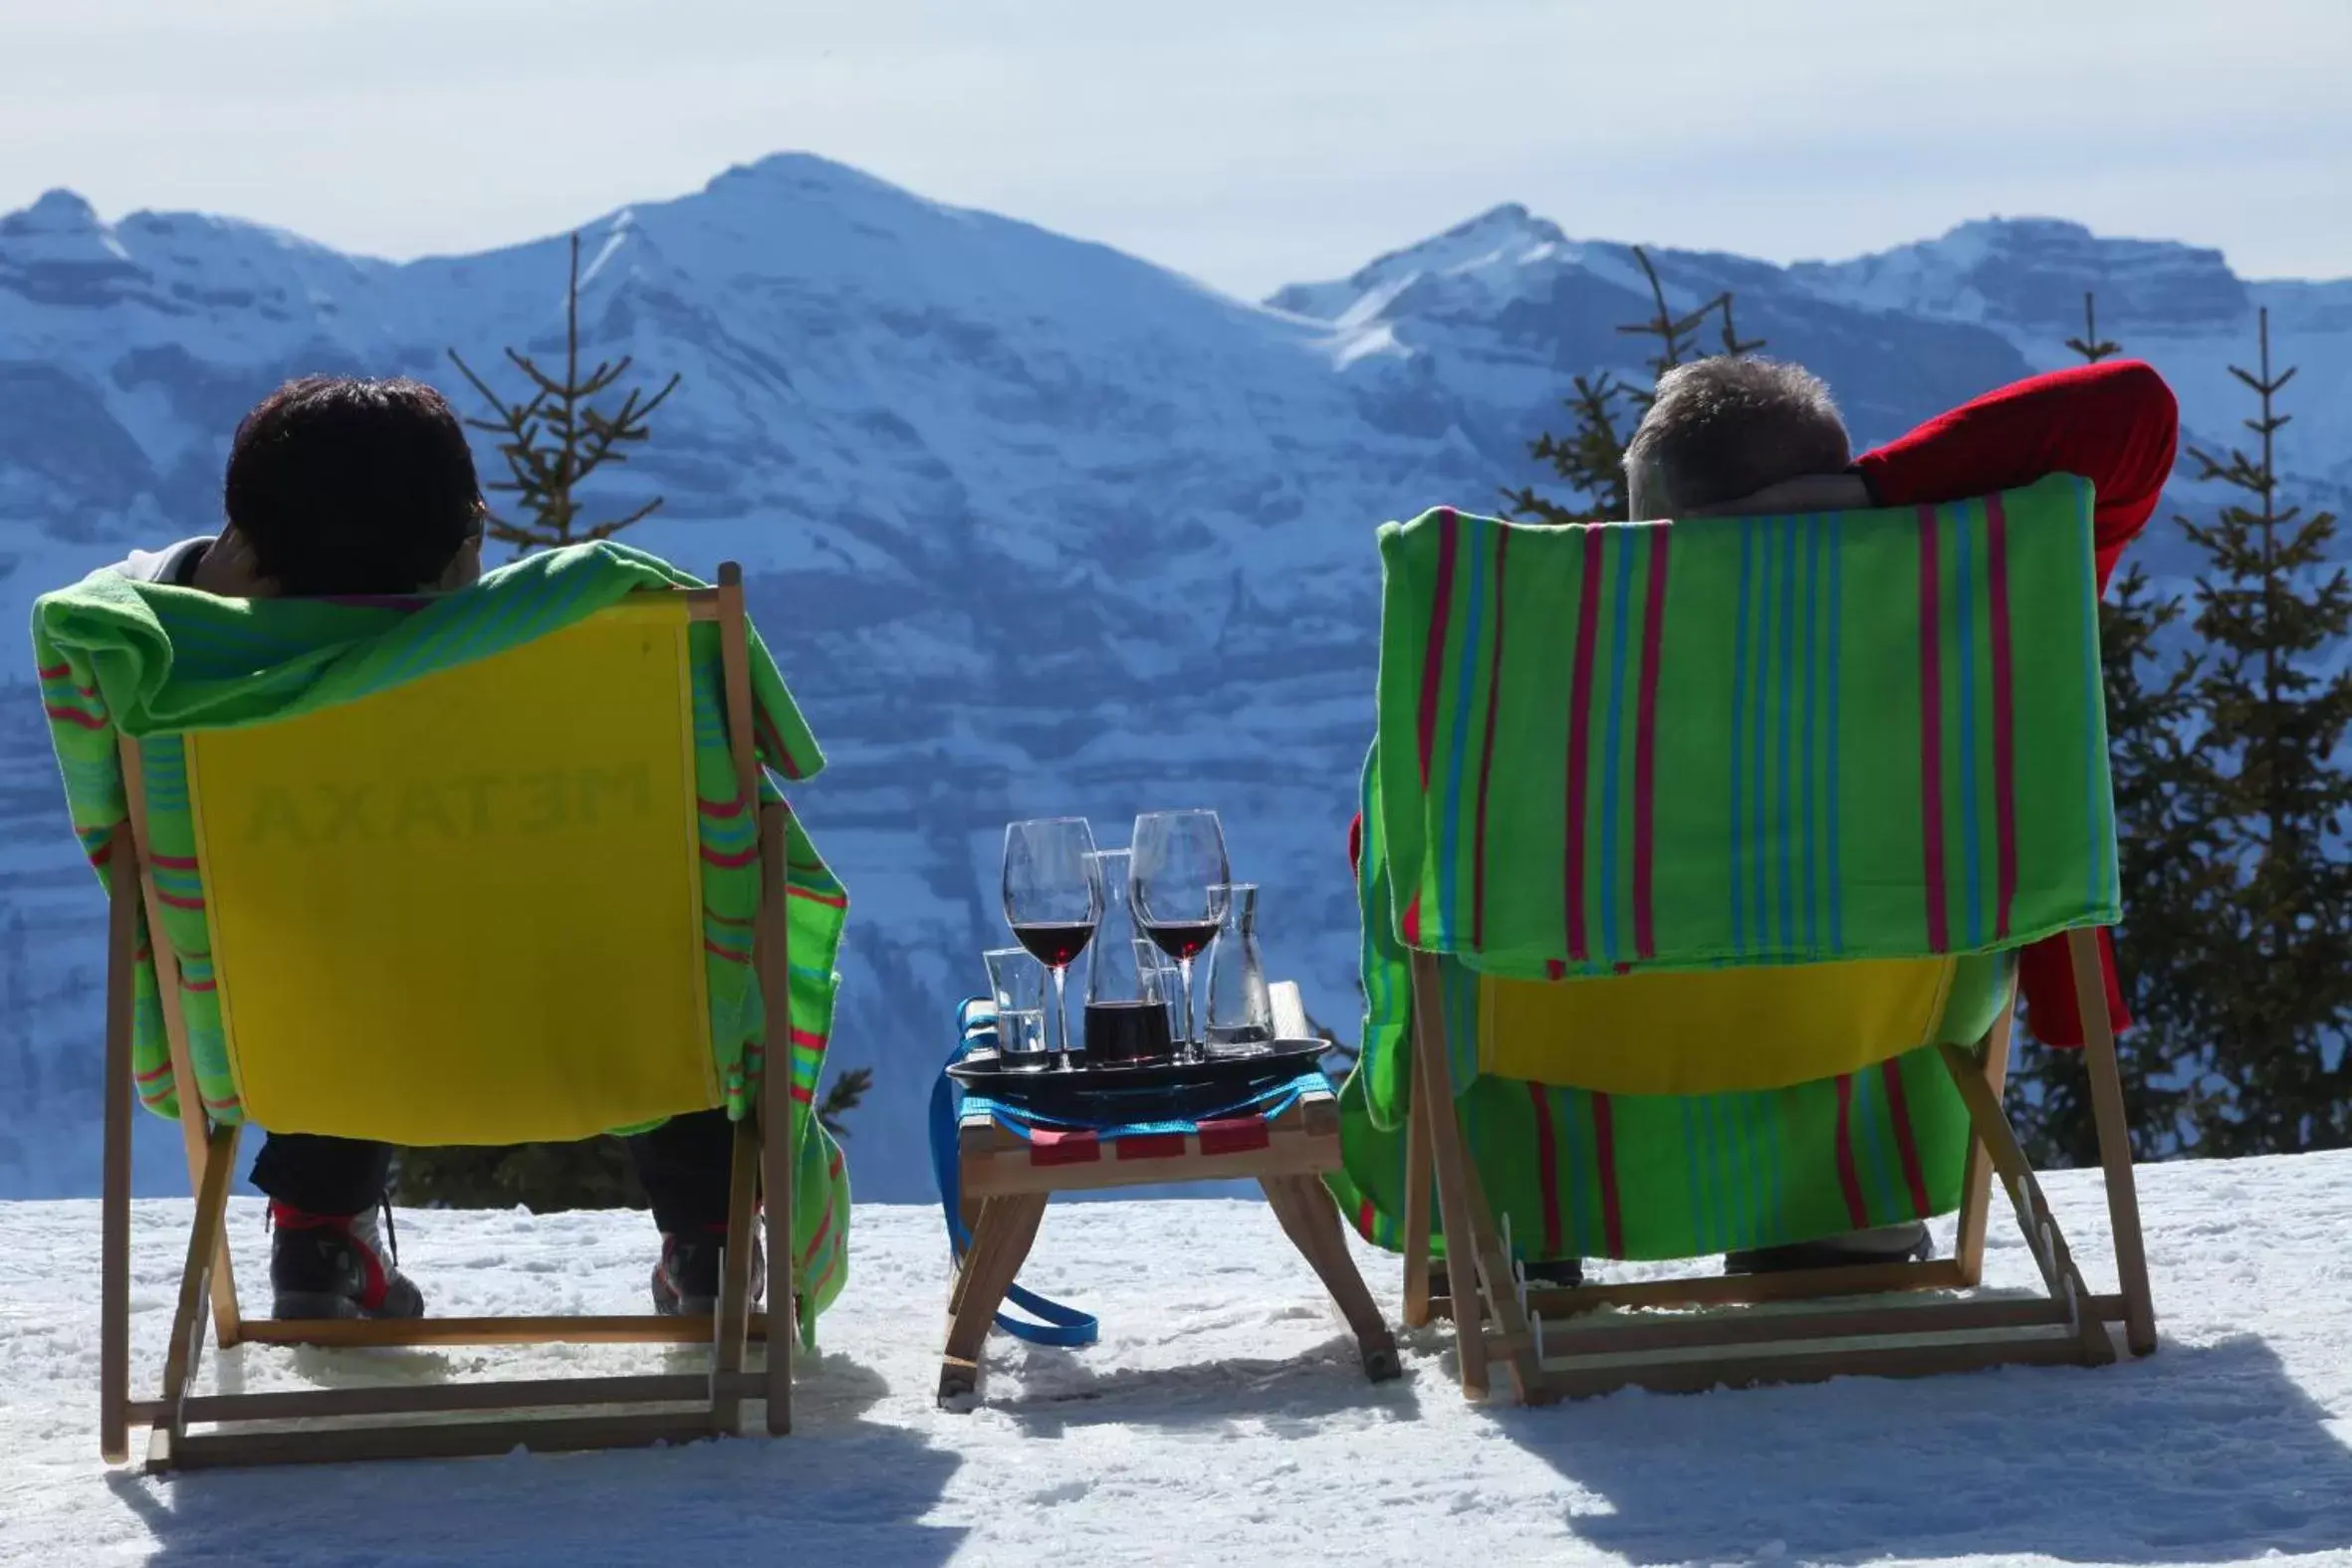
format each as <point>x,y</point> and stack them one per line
<point>976,1026</point>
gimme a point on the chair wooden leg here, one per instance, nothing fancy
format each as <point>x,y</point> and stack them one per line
<point>2115,1143</point>
<point>999,1244</point>
<point>1310,1219</point>
<point>731,1323</point>
<point>1435,1081</point>
<point>1975,1181</point>
<point>777,1116</point>
<point>1504,1299</point>
<point>194,1125</point>
<point>782,1301</point>
<point>114,1313</point>
<point>1417,1179</point>
<point>2043,1237</point>
<point>195,1129</point>
<point>189,1319</point>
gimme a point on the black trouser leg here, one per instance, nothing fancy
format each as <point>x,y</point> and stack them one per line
<point>685,1164</point>
<point>324,1175</point>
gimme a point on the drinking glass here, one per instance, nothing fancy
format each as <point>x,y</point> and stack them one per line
<point>1018,982</point>
<point>1127,1019</point>
<point>1160,984</point>
<point>1052,898</point>
<point>1174,887</point>
<point>1239,1015</point>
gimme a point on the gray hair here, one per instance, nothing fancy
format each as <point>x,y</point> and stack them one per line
<point>1723,427</point>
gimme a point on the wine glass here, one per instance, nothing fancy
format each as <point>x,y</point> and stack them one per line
<point>1052,898</point>
<point>1176,886</point>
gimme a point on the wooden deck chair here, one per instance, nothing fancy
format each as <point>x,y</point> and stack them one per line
<point>1697,857</point>
<point>482,869</point>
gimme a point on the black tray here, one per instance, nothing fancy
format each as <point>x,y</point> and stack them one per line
<point>1136,1091</point>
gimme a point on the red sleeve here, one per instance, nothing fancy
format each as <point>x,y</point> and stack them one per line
<point>2114,424</point>
<point>2045,974</point>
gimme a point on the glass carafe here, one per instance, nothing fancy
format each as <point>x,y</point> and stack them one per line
<point>1240,1015</point>
<point>1126,1017</point>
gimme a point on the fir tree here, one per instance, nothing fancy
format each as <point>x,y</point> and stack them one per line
<point>2090,344</point>
<point>847,1092</point>
<point>2160,865</point>
<point>544,1178</point>
<point>1591,456</point>
<point>548,1177</point>
<point>556,438</point>
<point>2276,980</point>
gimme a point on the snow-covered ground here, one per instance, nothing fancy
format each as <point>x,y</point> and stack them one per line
<point>1223,1418</point>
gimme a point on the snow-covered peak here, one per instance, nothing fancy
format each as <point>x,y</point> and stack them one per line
<point>227,290</point>
<point>805,172</point>
<point>58,230</point>
<point>58,211</point>
<point>2031,273</point>
<point>1488,251</point>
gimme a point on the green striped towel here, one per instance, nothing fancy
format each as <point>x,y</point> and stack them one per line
<point>123,659</point>
<point>1725,741</point>
<point>1746,741</point>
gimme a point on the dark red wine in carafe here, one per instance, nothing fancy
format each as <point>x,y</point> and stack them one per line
<point>1054,942</point>
<point>1181,939</point>
<point>1128,1031</point>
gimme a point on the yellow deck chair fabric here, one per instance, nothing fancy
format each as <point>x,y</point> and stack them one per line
<point>1709,1031</point>
<point>468,909</point>
<point>475,868</point>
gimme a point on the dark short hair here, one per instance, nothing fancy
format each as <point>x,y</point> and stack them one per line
<point>1723,427</point>
<point>343,485</point>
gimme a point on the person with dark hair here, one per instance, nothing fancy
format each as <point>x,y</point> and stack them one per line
<point>1735,436</point>
<point>343,486</point>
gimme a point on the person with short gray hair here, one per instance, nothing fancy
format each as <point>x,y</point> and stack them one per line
<point>1762,437</point>
<point>1724,428</point>
<point>1755,437</point>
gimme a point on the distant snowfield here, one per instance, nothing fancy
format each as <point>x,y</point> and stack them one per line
<point>1223,1419</point>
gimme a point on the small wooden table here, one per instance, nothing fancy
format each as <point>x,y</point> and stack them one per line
<point>1007,1180</point>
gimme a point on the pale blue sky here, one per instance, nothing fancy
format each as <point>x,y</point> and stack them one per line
<point>1249,142</point>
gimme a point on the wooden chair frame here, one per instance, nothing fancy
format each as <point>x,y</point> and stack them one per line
<point>1499,1318</point>
<point>484,1418</point>
<point>1005,1193</point>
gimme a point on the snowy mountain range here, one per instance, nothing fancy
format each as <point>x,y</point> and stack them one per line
<point>1034,526</point>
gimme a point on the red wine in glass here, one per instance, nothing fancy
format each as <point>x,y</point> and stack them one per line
<point>1052,898</point>
<point>1128,1031</point>
<point>1175,871</point>
<point>1054,942</point>
<point>1181,940</point>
